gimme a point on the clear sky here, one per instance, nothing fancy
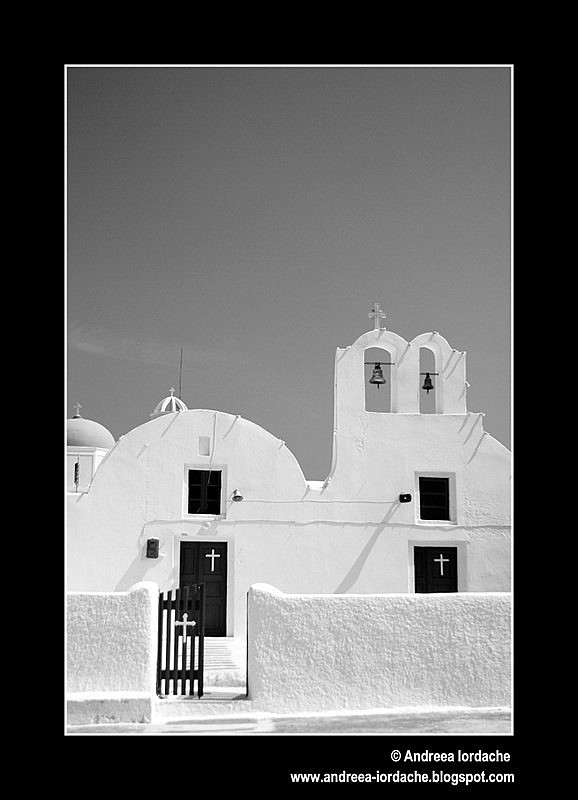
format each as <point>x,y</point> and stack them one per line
<point>252,215</point>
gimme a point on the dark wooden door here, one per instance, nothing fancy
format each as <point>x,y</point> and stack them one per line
<point>436,569</point>
<point>206,562</point>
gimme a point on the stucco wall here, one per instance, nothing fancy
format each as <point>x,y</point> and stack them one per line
<point>112,640</point>
<point>349,533</point>
<point>331,652</point>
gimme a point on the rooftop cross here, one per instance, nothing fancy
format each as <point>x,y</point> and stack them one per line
<point>377,313</point>
<point>172,390</point>
<point>77,408</point>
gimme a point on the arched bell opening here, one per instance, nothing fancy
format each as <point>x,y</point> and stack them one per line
<point>379,376</point>
<point>430,386</point>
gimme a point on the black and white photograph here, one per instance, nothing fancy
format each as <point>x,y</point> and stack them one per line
<point>288,381</point>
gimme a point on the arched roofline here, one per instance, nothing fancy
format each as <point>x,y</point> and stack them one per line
<point>169,418</point>
<point>432,338</point>
<point>380,338</point>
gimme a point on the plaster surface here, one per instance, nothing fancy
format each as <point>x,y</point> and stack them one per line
<point>346,534</point>
<point>375,721</point>
<point>101,708</point>
<point>328,652</point>
<point>112,641</point>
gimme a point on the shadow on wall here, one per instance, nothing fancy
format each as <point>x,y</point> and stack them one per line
<point>355,571</point>
<point>135,573</point>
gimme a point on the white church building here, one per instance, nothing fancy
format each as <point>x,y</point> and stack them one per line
<point>417,498</point>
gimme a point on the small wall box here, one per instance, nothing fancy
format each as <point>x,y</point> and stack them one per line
<point>405,498</point>
<point>152,548</point>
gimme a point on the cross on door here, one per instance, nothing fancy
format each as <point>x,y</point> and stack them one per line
<point>212,555</point>
<point>441,560</point>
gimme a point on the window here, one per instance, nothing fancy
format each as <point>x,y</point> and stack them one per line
<point>204,491</point>
<point>79,468</point>
<point>434,498</point>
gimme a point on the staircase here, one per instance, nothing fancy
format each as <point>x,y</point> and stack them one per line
<point>225,662</point>
<point>225,681</point>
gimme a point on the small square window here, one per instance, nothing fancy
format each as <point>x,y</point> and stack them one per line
<point>204,491</point>
<point>434,498</point>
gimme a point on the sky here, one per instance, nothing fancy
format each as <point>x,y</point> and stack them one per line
<point>252,216</point>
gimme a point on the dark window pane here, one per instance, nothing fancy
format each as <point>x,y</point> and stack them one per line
<point>204,492</point>
<point>434,485</point>
<point>434,498</point>
<point>433,513</point>
<point>429,501</point>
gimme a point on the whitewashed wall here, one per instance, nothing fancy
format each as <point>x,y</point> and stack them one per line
<point>349,535</point>
<point>327,653</point>
<point>112,640</point>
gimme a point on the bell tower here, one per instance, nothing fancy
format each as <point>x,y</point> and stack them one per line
<point>420,385</point>
<point>382,373</point>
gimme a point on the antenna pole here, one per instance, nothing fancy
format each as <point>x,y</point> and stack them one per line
<point>181,374</point>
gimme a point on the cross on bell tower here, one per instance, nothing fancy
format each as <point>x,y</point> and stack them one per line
<point>377,314</point>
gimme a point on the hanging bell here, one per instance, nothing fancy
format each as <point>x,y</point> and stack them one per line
<point>377,377</point>
<point>427,384</point>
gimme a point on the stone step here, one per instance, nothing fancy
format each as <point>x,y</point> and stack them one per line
<point>216,701</point>
<point>224,661</point>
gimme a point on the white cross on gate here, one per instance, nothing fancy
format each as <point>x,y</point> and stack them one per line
<point>441,560</point>
<point>184,624</point>
<point>212,555</point>
<point>377,313</point>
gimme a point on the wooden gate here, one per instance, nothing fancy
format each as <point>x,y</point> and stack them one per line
<point>181,641</point>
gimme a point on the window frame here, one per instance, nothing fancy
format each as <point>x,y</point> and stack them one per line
<point>451,498</point>
<point>203,468</point>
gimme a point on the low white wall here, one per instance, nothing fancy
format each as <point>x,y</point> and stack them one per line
<point>112,640</point>
<point>330,652</point>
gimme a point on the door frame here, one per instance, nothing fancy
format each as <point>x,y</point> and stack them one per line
<point>461,547</point>
<point>211,536</point>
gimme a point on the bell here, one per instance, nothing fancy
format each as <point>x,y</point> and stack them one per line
<point>427,384</point>
<point>377,377</point>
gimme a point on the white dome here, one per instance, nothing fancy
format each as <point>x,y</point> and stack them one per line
<point>87,433</point>
<point>169,405</point>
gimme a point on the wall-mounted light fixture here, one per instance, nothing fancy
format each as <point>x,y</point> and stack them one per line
<point>427,384</point>
<point>152,548</point>
<point>377,378</point>
<point>237,496</point>
<point>405,498</point>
